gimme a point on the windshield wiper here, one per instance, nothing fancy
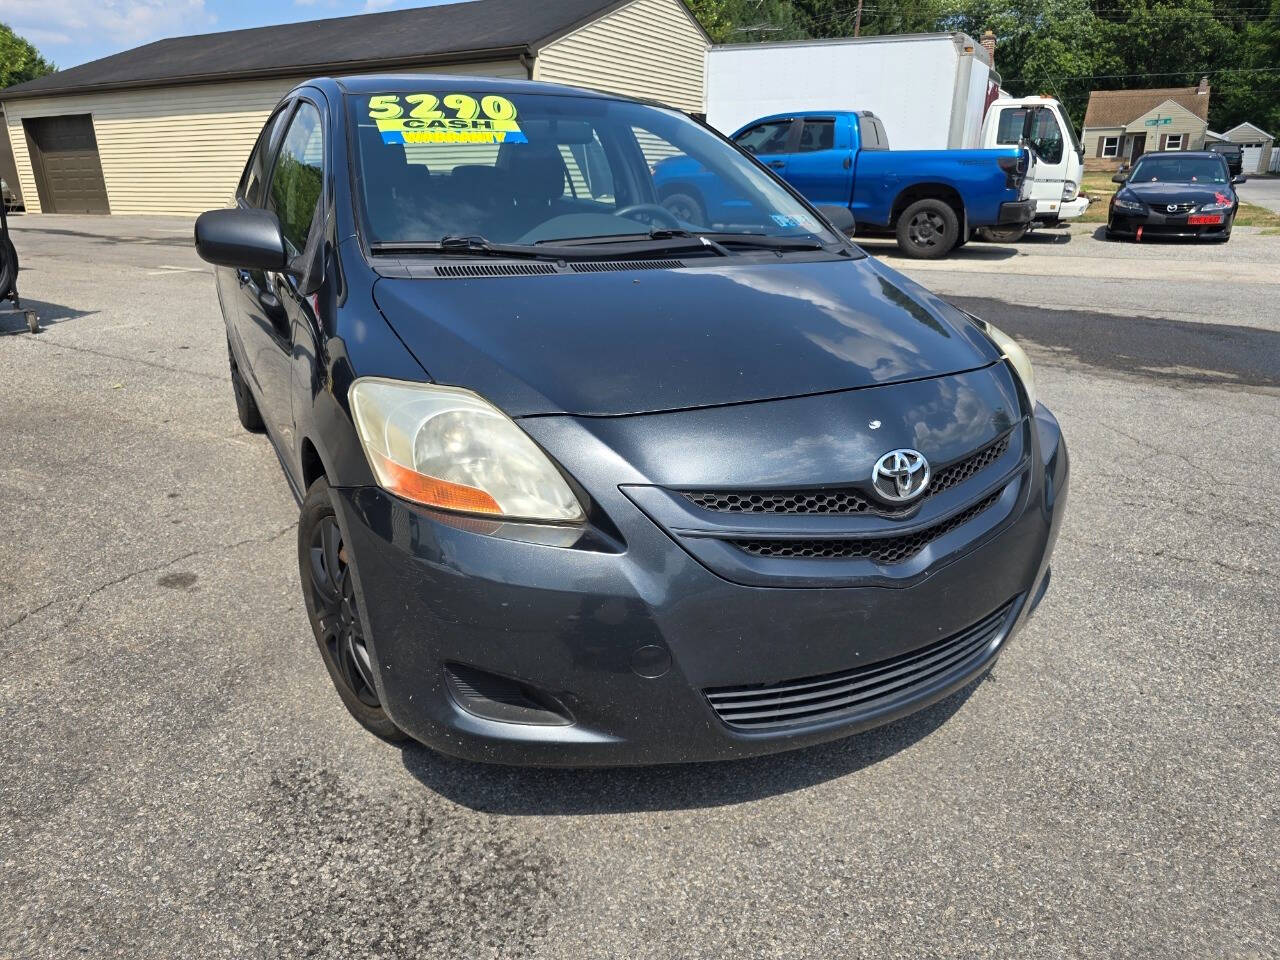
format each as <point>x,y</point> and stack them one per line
<point>466,246</point>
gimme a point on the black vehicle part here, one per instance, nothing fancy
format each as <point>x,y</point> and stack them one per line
<point>500,698</point>
<point>328,585</point>
<point>1004,234</point>
<point>8,268</point>
<point>928,229</point>
<point>246,406</point>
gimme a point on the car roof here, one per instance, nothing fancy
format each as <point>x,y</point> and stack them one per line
<point>1179,153</point>
<point>381,82</point>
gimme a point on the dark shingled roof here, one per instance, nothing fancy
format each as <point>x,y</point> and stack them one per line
<point>366,42</point>
<point>1119,108</point>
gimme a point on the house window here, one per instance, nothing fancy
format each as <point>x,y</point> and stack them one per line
<point>1174,141</point>
<point>1110,146</point>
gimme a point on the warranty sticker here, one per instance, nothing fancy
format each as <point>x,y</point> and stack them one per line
<point>453,118</point>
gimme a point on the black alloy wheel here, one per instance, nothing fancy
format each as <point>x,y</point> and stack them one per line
<point>928,229</point>
<point>328,584</point>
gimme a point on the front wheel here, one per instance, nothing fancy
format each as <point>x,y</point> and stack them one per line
<point>328,586</point>
<point>1004,234</point>
<point>928,229</point>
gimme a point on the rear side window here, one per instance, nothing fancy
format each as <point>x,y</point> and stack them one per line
<point>871,134</point>
<point>255,174</point>
<point>768,137</point>
<point>298,176</point>
<point>817,135</point>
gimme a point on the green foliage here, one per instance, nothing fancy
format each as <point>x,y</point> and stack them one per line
<point>19,60</point>
<point>1065,48</point>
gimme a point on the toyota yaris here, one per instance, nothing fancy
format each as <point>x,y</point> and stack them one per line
<point>585,482</point>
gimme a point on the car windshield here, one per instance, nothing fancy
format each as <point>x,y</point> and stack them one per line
<point>1180,170</point>
<point>536,168</point>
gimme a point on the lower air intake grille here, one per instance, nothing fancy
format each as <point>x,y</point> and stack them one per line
<point>864,690</point>
<point>843,500</point>
<point>889,549</point>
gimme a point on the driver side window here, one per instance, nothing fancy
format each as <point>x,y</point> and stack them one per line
<point>298,176</point>
<point>1046,135</point>
<point>765,138</point>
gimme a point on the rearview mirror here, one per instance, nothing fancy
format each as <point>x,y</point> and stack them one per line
<point>1239,178</point>
<point>248,239</point>
<point>839,217</point>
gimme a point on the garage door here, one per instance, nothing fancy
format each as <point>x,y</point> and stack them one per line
<point>1252,157</point>
<point>64,156</point>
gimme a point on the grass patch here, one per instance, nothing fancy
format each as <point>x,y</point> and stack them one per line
<point>1099,188</point>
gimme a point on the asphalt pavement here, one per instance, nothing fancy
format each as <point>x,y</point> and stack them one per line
<point>1264,191</point>
<point>178,779</point>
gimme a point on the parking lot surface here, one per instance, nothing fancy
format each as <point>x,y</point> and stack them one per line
<point>178,778</point>
<point>1264,191</point>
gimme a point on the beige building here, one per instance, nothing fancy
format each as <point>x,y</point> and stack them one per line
<point>1256,146</point>
<point>1122,125</point>
<point>166,128</point>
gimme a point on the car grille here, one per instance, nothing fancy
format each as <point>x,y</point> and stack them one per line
<point>881,549</point>
<point>863,690</point>
<point>843,500</point>
<point>1177,208</point>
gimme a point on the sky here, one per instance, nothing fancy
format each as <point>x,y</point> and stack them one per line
<point>71,32</point>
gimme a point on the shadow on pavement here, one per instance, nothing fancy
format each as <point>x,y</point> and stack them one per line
<point>544,791</point>
<point>48,313</point>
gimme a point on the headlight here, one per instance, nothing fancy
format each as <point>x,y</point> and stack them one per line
<point>446,447</point>
<point>1137,206</point>
<point>1070,190</point>
<point>1017,357</point>
<point>1219,204</point>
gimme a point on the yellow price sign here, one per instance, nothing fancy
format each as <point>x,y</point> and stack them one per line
<point>452,118</point>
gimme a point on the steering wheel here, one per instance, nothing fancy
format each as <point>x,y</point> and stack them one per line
<point>655,211</point>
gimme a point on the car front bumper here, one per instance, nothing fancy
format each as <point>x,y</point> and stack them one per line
<point>633,645</point>
<point>1153,224</point>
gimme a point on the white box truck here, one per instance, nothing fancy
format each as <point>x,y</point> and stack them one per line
<point>932,91</point>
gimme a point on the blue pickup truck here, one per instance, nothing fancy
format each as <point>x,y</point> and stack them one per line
<point>931,200</point>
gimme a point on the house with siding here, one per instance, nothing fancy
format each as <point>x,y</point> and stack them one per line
<point>166,128</point>
<point>1122,125</point>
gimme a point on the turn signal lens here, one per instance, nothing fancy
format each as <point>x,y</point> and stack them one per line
<point>448,448</point>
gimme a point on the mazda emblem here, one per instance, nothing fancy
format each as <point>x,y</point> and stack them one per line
<point>900,475</point>
<point>1172,208</point>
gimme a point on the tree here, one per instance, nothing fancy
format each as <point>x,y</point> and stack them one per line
<point>19,60</point>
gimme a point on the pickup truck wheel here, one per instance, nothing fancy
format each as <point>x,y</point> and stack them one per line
<point>1003,234</point>
<point>928,230</point>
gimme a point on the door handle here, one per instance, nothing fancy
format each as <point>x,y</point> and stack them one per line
<point>777,164</point>
<point>848,162</point>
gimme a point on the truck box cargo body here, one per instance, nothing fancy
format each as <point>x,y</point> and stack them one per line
<point>930,89</point>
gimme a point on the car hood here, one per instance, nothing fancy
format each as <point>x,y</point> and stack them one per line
<point>1157,193</point>
<point>643,341</point>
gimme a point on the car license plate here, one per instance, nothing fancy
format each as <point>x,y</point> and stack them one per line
<point>1204,219</point>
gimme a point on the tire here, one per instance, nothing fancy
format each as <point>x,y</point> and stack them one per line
<point>927,230</point>
<point>1003,234</point>
<point>686,207</point>
<point>246,406</point>
<point>334,611</point>
<point>8,267</point>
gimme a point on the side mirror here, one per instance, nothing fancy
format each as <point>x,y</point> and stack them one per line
<point>1119,178</point>
<point>839,217</point>
<point>248,239</point>
<point>1239,178</point>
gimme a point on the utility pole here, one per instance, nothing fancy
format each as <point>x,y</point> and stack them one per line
<point>857,19</point>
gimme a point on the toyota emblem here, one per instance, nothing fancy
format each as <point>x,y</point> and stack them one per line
<point>900,475</point>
